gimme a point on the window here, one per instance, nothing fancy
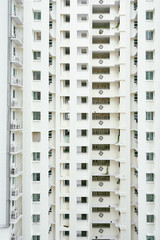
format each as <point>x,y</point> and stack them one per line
<point>101,178</point>
<point>13,137</point>
<point>150,156</point>
<point>66,233</point>
<point>67,3</point>
<point>66,216</point>
<point>50,97</point>
<point>66,165</point>
<point>149,55</point>
<point>37,15</point>
<point>149,136</point>
<point>36,136</point>
<point>100,100</point>
<point>135,153</point>
<point>37,36</point>
<point>66,83</point>
<point>81,199</point>
<point>81,83</point>
<point>67,51</point>
<point>36,115</point>
<point>50,134</point>
<point>81,183</point>
<point>36,197</point>
<point>50,24</point>
<point>66,67</point>
<point>66,99</point>
<point>66,116</point>
<point>36,218</point>
<point>36,177</point>
<point>83,34</point>
<point>67,34</point>
<point>149,15</point>
<point>35,237</point>
<point>37,96</point>
<point>37,56</point>
<point>150,219</point>
<point>100,147</point>
<point>149,35</point>
<point>84,50</point>
<point>66,149</point>
<point>100,131</point>
<point>149,197</point>
<point>50,116</point>
<point>82,116</point>
<point>150,177</point>
<point>100,85</point>
<point>149,95</point>
<point>67,18</point>
<point>81,133</point>
<point>149,116</point>
<point>81,166</point>
<point>101,116</point>
<point>149,75</point>
<point>36,75</point>
<point>36,156</point>
<point>50,79</point>
<point>83,67</point>
<point>83,100</point>
<point>136,97</point>
<point>66,182</point>
<point>101,163</point>
<point>82,234</point>
<point>81,216</point>
<point>66,199</point>
<point>150,238</point>
<point>136,116</point>
<point>82,149</point>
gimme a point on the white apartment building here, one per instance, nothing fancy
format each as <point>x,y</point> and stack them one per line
<point>79,120</point>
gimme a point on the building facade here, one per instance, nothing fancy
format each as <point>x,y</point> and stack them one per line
<point>80,120</point>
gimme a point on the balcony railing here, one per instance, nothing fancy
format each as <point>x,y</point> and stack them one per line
<point>18,37</point>
<point>16,148</point>
<point>16,170</point>
<point>17,15</point>
<point>17,60</point>
<point>16,104</point>
<point>17,236</point>
<point>15,192</point>
<point>16,125</point>
<point>16,213</point>
<point>17,81</point>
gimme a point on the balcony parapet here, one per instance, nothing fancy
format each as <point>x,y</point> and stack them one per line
<point>16,125</point>
<point>17,236</point>
<point>16,148</point>
<point>16,214</point>
<point>16,81</point>
<point>16,104</point>
<point>16,192</point>
<point>16,170</point>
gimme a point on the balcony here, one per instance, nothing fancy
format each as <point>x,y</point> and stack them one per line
<point>16,60</point>
<point>16,148</point>
<point>17,16</point>
<point>17,235</point>
<point>16,104</point>
<point>16,171</point>
<point>19,1</point>
<point>17,39</point>
<point>16,192</point>
<point>16,82</point>
<point>16,214</point>
<point>16,125</point>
